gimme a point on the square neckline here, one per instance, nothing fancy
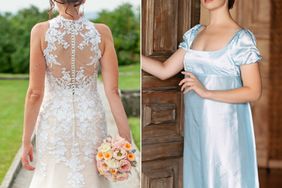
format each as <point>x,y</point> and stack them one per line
<point>197,30</point>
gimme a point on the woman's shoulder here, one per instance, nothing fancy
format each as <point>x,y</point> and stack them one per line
<point>103,29</point>
<point>39,29</point>
<point>244,49</point>
<point>105,34</point>
<point>188,36</point>
<point>193,30</point>
<point>245,36</point>
<point>40,26</point>
<point>248,34</point>
<point>196,27</point>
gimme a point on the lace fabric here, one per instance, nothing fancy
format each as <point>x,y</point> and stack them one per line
<point>71,122</point>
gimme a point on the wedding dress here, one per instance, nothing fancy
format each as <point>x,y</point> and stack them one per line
<point>71,122</point>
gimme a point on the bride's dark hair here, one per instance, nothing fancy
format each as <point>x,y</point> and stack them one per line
<point>74,2</point>
<point>230,4</point>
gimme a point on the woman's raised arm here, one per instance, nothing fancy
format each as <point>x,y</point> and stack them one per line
<point>167,69</point>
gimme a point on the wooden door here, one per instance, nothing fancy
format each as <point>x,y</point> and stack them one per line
<point>163,25</point>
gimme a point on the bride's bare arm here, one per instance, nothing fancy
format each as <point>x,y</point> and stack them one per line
<point>164,70</point>
<point>34,93</point>
<point>109,69</point>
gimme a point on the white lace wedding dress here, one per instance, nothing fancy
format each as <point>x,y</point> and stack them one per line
<point>71,123</point>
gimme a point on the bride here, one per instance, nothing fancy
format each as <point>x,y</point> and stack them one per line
<point>62,103</point>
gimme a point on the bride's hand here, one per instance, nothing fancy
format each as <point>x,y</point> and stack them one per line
<point>192,83</point>
<point>126,136</point>
<point>27,156</point>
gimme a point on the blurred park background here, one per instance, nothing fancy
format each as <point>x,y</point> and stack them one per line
<point>16,22</point>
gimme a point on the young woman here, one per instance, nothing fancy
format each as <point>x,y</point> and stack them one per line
<point>221,78</point>
<point>65,53</point>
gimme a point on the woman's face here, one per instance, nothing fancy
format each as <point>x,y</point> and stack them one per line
<point>214,4</point>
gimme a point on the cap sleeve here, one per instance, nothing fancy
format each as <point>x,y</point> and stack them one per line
<point>244,50</point>
<point>188,37</point>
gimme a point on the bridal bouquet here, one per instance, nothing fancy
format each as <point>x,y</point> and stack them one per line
<point>115,159</point>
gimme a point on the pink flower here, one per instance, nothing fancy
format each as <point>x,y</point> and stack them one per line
<point>102,166</point>
<point>118,144</point>
<point>125,166</point>
<point>121,177</point>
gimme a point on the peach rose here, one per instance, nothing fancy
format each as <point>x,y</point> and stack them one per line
<point>127,146</point>
<point>108,155</point>
<point>131,156</point>
<point>99,156</point>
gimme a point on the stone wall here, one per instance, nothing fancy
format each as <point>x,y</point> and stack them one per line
<point>131,102</point>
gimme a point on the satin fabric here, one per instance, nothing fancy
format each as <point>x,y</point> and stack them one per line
<point>219,142</point>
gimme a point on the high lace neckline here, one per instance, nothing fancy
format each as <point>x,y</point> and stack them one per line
<point>81,18</point>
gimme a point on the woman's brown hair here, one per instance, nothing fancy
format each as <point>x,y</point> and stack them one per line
<point>52,5</point>
<point>230,4</point>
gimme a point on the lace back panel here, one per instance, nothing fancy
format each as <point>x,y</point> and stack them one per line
<point>72,51</point>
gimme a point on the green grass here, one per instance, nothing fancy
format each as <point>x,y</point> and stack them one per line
<point>129,77</point>
<point>134,123</point>
<point>12,94</point>
<point>8,75</point>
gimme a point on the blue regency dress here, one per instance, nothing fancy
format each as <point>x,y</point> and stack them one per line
<point>219,142</point>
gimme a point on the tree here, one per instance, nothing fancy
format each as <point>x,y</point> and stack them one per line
<point>14,38</point>
<point>125,26</point>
